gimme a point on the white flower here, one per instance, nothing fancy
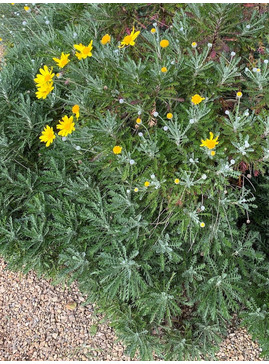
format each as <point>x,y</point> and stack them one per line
<point>64,139</point>
<point>181,29</point>
<point>192,121</point>
<point>45,17</point>
<point>154,24</point>
<point>227,112</point>
<point>172,62</point>
<point>139,112</point>
<point>204,176</point>
<point>11,32</point>
<point>140,134</point>
<point>254,69</point>
<point>23,31</point>
<point>246,69</point>
<point>232,54</point>
<point>75,35</point>
<point>165,128</point>
<point>155,114</point>
<point>266,61</point>
<point>78,147</point>
<point>194,44</point>
<point>152,176</point>
<point>191,160</point>
<point>128,191</point>
<point>209,45</point>
<point>47,22</point>
<point>248,26</point>
<point>132,162</point>
<point>202,208</point>
<point>32,60</point>
<point>121,101</point>
<point>232,161</point>
<point>24,22</point>
<point>246,113</point>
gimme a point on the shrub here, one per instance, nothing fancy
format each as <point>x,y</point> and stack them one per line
<point>136,187</point>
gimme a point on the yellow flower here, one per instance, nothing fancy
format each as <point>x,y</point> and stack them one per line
<point>1,39</point>
<point>26,8</point>
<point>239,94</point>
<point>176,181</point>
<point>44,90</point>
<point>194,44</point>
<point>147,183</point>
<point>12,3</point>
<point>258,70</point>
<point>75,110</point>
<point>45,76</point>
<point>213,153</point>
<point>66,126</point>
<point>106,39</point>
<point>202,224</point>
<point>129,39</point>
<point>153,30</point>
<point>117,149</point>
<point>196,99</point>
<point>164,43</point>
<point>164,69</point>
<point>209,143</point>
<point>135,189</point>
<point>61,62</point>
<point>85,51</point>
<point>138,121</point>
<point>47,135</point>
<point>169,115</point>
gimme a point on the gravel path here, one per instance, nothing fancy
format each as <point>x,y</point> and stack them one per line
<point>39,321</point>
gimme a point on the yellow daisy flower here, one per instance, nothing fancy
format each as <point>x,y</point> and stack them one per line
<point>176,181</point>
<point>239,94</point>
<point>213,153</point>
<point>44,90</point>
<point>138,121</point>
<point>83,51</point>
<point>117,149</point>
<point>1,39</point>
<point>147,183</point>
<point>45,76</point>
<point>106,39</point>
<point>27,8</point>
<point>61,62</point>
<point>47,135</point>
<point>75,110</point>
<point>153,30</point>
<point>163,69</point>
<point>209,143</point>
<point>164,43</point>
<point>194,44</point>
<point>66,126</point>
<point>169,115</point>
<point>202,224</point>
<point>129,39</point>
<point>196,99</point>
<point>135,189</point>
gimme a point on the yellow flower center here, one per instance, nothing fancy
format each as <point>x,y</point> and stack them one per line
<point>47,78</point>
<point>127,39</point>
<point>210,144</point>
<point>169,115</point>
<point>86,50</point>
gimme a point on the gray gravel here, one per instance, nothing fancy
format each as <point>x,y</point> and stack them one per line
<point>39,321</point>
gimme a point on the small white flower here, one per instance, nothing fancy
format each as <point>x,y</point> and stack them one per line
<point>154,24</point>
<point>204,176</point>
<point>11,32</point>
<point>45,17</point>
<point>128,191</point>
<point>64,139</point>
<point>132,162</point>
<point>165,128</point>
<point>18,14</point>
<point>23,29</point>
<point>209,45</point>
<point>152,176</point>
<point>248,26</point>
<point>24,22</point>
<point>78,147</point>
<point>121,101</point>
<point>246,113</point>
<point>246,69</point>
<point>155,114</point>
<point>266,61</point>
<point>139,112</point>
<point>191,160</point>
<point>227,112</point>
<point>232,161</point>
<point>47,22</point>
<point>202,208</point>
<point>232,54</point>
<point>75,35</point>
<point>172,62</point>
<point>254,69</point>
<point>32,60</point>
<point>192,121</point>
<point>181,29</point>
<point>140,134</point>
